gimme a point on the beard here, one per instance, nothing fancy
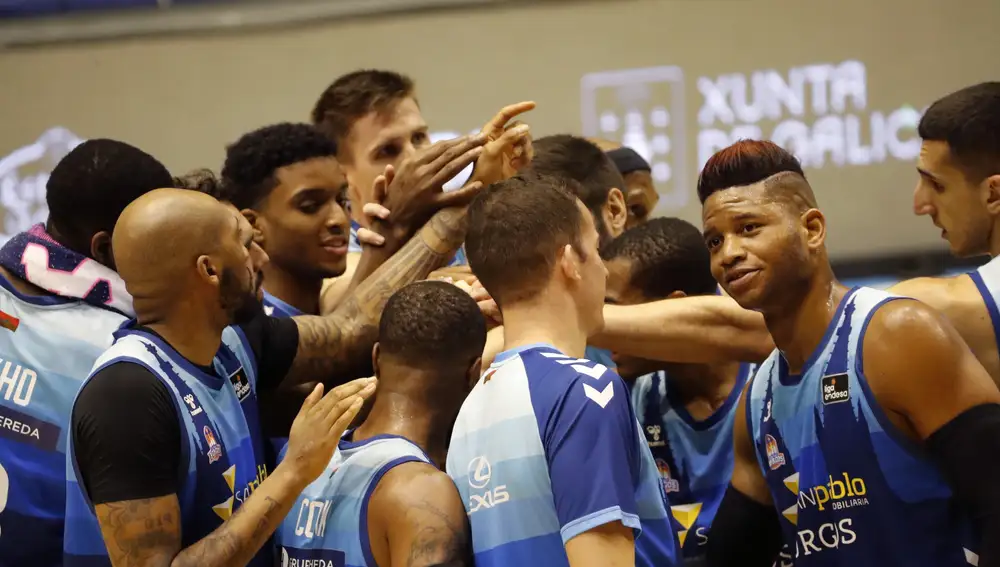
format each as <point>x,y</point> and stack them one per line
<point>239,300</point>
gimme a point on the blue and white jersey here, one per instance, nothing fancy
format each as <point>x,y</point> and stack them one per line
<point>694,458</point>
<point>221,451</point>
<point>328,525</point>
<point>850,488</point>
<point>274,307</point>
<point>547,447</point>
<point>987,280</point>
<point>48,344</point>
<point>354,245</point>
<point>600,356</point>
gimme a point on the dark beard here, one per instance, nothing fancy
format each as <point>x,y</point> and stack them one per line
<point>240,304</point>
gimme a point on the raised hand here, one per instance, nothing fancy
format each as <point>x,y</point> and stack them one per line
<point>412,191</point>
<point>320,424</point>
<point>509,147</point>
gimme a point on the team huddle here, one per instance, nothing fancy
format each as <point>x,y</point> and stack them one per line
<point>321,358</point>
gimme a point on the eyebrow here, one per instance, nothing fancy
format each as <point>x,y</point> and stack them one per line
<point>928,175</point>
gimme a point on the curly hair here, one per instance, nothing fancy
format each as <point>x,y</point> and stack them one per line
<point>248,175</point>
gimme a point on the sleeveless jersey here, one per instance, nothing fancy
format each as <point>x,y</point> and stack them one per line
<point>48,344</point>
<point>849,487</point>
<point>547,447</point>
<point>221,451</point>
<point>328,525</point>
<point>694,458</point>
<point>987,280</point>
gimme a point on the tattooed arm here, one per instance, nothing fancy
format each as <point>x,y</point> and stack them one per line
<point>416,519</point>
<point>147,533</point>
<point>337,347</point>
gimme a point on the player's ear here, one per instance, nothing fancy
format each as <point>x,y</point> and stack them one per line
<point>615,211</point>
<point>256,223</point>
<point>569,262</point>
<point>814,224</point>
<point>375,359</point>
<point>993,195</point>
<point>100,249</point>
<point>209,270</point>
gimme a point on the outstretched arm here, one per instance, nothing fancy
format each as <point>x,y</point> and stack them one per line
<point>687,329</point>
<point>416,519</point>
<point>337,347</point>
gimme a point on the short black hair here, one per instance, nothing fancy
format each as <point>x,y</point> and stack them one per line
<point>969,121</point>
<point>516,229</point>
<point>432,324</point>
<point>744,163</point>
<point>90,187</point>
<point>201,180</point>
<point>354,95</point>
<point>248,175</point>
<point>582,161</point>
<point>666,255</point>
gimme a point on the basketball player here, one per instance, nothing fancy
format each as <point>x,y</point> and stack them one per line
<point>286,181</point>
<point>194,402</point>
<point>375,120</point>
<point>384,500</point>
<point>686,410</point>
<point>640,193</point>
<point>871,421</point>
<point>546,451</point>
<point>60,300</point>
<point>959,189</point>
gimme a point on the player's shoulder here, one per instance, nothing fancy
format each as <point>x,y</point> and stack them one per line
<point>550,369</point>
<point>411,483</point>
<point>952,296</point>
<point>907,333</point>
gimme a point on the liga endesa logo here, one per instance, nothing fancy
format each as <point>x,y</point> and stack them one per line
<point>23,175</point>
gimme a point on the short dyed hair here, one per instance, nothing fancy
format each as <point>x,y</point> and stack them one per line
<point>580,160</point>
<point>516,229</point>
<point>252,162</point>
<point>90,187</point>
<point>744,163</point>
<point>355,95</point>
<point>432,325</point>
<point>969,121</point>
<point>665,255</point>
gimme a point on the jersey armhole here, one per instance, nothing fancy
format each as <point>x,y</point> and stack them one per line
<point>182,463</point>
<point>366,547</point>
<point>991,304</point>
<point>747,412</point>
<point>890,429</point>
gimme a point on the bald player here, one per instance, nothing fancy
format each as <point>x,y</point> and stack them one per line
<point>191,280</point>
<point>386,502</point>
<point>872,436</point>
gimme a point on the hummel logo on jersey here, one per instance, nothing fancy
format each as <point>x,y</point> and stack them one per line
<point>836,388</point>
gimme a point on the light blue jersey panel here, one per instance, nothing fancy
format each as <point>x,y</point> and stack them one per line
<point>694,458</point>
<point>328,525</point>
<point>221,449</point>
<point>850,488</point>
<point>43,363</point>
<point>546,447</point>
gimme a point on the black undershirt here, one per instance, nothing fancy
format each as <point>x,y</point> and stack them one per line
<point>126,432</point>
